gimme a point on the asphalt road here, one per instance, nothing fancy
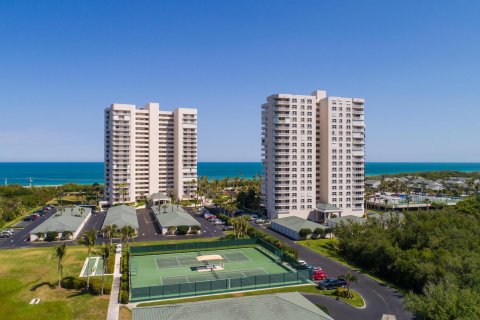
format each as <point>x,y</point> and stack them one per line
<point>379,298</point>
<point>19,237</point>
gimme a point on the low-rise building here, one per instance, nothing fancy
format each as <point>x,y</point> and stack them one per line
<point>158,198</point>
<point>171,215</point>
<point>66,223</point>
<point>291,226</point>
<point>121,216</point>
<point>372,183</point>
<point>333,222</point>
<point>279,306</point>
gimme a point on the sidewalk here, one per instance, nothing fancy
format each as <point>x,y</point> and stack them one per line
<point>114,306</point>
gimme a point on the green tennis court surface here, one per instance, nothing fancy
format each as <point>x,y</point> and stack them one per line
<point>175,274</point>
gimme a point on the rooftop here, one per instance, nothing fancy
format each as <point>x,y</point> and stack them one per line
<point>66,219</point>
<point>173,215</point>
<point>296,223</point>
<point>121,216</point>
<point>347,219</point>
<point>158,196</point>
<point>279,306</point>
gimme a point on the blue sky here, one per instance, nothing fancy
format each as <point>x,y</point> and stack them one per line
<point>415,62</point>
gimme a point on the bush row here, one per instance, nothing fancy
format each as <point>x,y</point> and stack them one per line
<point>124,281</point>
<point>79,284</point>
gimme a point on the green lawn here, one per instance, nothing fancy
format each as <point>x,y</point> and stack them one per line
<point>30,273</point>
<point>357,300</point>
<point>327,248</point>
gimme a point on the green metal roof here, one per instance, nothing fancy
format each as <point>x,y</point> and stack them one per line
<point>347,219</point>
<point>279,306</point>
<point>67,220</point>
<point>158,196</point>
<point>173,215</point>
<point>296,223</point>
<point>121,216</point>
<point>327,207</point>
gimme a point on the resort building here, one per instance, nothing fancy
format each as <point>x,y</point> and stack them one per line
<point>169,217</point>
<point>313,150</point>
<point>148,151</point>
<point>121,216</point>
<point>65,224</point>
<point>291,226</point>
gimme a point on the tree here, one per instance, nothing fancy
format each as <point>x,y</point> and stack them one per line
<point>59,253</point>
<point>109,232</point>
<point>171,230</point>
<point>386,204</point>
<point>349,278</point>
<point>127,232</point>
<point>195,229</point>
<point>182,230</point>
<point>305,232</point>
<point>319,232</point>
<point>104,252</point>
<point>88,239</point>
<point>67,234</point>
<point>123,190</point>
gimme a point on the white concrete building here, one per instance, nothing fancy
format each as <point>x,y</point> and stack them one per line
<point>313,150</point>
<point>148,150</point>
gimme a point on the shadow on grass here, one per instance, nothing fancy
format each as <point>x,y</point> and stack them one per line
<point>41,284</point>
<point>78,294</point>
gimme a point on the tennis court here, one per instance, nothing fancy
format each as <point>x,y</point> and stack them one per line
<point>177,274</point>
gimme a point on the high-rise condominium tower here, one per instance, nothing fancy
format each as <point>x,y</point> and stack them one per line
<point>313,149</point>
<point>149,151</point>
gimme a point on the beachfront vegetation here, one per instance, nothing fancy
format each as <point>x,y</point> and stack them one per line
<point>232,194</point>
<point>16,201</point>
<point>435,255</point>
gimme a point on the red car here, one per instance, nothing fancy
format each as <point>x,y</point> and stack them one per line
<point>319,275</point>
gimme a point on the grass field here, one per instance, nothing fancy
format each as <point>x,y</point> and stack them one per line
<point>30,273</point>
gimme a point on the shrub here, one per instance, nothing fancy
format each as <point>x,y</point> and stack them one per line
<point>304,232</point>
<point>51,236</point>
<point>124,285</point>
<point>341,292</point>
<point>182,230</point>
<point>195,229</point>
<point>124,297</point>
<point>96,286</point>
<point>73,283</point>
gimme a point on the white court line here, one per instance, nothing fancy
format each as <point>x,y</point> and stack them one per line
<point>161,281</point>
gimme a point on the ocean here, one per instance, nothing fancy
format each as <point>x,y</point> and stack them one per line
<point>57,173</point>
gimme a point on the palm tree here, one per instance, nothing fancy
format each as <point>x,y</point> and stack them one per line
<point>127,234</point>
<point>109,232</point>
<point>104,252</point>
<point>59,253</point>
<point>349,278</point>
<point>89,238</point>
<point>409,200</point>
<point>386,204</point>
<point>164,208</point>
<point>123,190</point>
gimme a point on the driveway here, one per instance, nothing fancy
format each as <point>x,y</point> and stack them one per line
<point>379,298</point>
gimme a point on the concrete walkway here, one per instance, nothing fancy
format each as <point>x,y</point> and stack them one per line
<point>114,306</point>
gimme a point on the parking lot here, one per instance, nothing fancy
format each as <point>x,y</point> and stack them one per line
<point>150,231</point>
<point>20,235</point>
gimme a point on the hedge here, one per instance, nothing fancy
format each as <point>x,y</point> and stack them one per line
<point>95,285</point>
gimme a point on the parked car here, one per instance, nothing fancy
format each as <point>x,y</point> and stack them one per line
<point>207,214</point>
<point>227,228</point>
<point>331,283</point>
<point>210,217</point>
<point>30,218</point>
<point>218,222</point>
<point>5,235</point>
<point>259,220</point>
<point>302,262</point>
<point>319,275</point>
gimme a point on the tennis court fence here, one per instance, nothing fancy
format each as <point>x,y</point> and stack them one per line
<point>191,246</point>
<point>263,281</point>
